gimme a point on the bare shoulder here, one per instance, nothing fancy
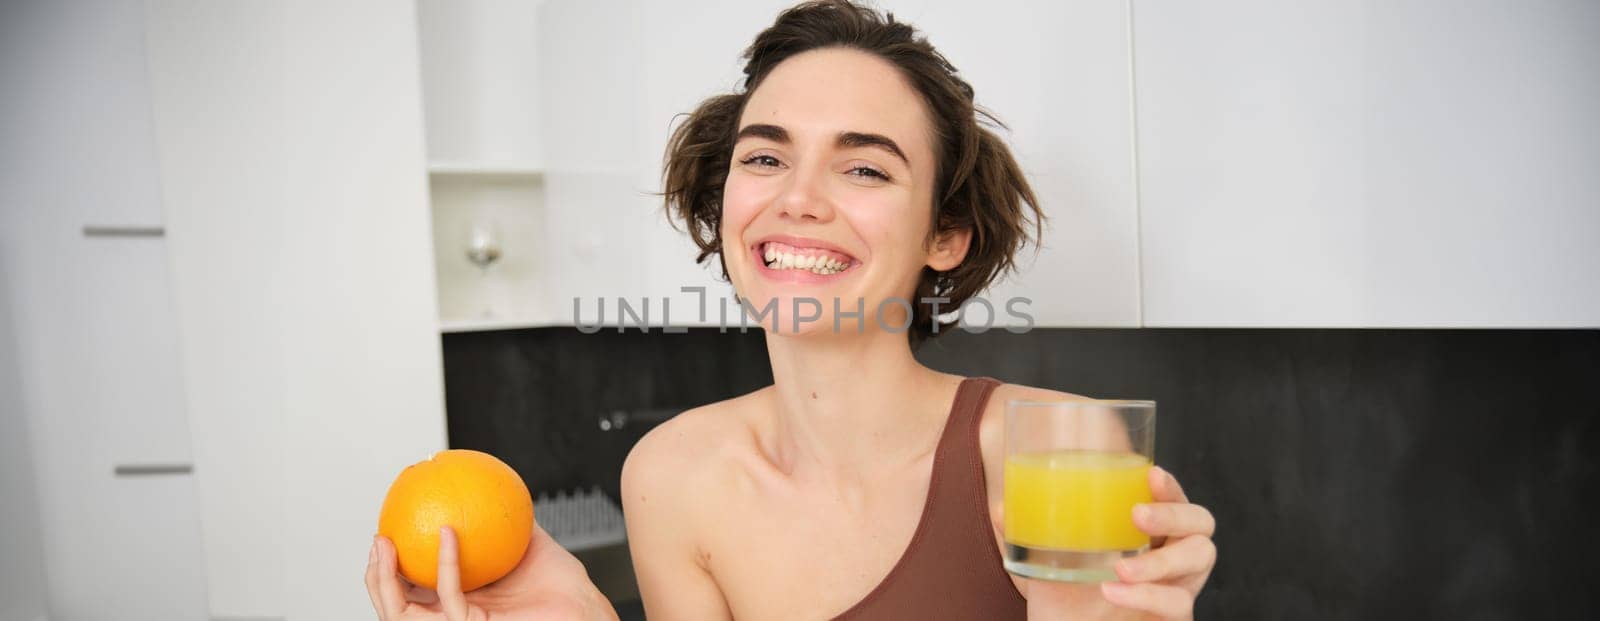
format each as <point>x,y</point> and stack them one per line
<point>994,411</point>
<point>1019,392</point>
<point>673,476</point>
<point>687,446</point>
<point>991,430</point>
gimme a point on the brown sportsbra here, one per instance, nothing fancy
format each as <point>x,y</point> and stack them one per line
<point>951,569</point>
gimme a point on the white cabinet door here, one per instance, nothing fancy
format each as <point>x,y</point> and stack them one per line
<point>77,78</point>
<point>1369,164</point>
<point>1058,77</point>
<point>96,342</point>
<point>118,506</point>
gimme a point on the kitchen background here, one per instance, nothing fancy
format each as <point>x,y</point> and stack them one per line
<point>1352,249</point>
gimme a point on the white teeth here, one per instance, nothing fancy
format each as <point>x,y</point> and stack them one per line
<point>819,264</point>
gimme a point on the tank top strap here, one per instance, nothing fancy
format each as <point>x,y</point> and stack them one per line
<point>958,462</point>
<point>951,569</point>
<point>960,438</point>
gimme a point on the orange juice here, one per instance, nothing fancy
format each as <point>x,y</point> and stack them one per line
<point>1075,500</point>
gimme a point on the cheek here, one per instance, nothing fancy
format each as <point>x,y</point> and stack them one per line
<point>893,231</point>
<point>741,201</point>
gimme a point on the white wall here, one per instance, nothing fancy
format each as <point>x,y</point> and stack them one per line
<point>220,131</point>
<point>1377,164</point>
<point>365,390</point>
<point>291,144</point>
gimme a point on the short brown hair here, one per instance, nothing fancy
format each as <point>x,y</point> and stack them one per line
<point>979,185</point>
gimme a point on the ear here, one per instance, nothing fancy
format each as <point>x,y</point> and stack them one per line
<point>949,249</point>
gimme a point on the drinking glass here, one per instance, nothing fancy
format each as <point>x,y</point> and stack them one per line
<point>1073,472</point>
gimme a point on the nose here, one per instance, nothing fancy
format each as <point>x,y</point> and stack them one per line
<point>804,199</point>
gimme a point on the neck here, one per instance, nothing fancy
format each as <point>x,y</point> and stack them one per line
<point>850,405</point>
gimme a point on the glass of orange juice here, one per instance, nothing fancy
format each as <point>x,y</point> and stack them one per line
<point>1073,472</point>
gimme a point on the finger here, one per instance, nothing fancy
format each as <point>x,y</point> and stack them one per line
<point>1167,602</point>
<point>372,578</point>
<point>1164,487</point>
<point>448,589</point>
<point>390,594</point>
<point>1184,557</point>
<point>1168,519</point>
<point>420,594</point>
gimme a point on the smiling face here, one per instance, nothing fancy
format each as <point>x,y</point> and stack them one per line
<point>829,193</point>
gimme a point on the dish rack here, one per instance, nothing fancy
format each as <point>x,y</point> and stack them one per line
<point>580,519</point>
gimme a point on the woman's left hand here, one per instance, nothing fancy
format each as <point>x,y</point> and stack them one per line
<point>1159,584</point>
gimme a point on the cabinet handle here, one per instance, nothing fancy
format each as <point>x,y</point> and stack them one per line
<point>145,470</point>
<point>124,231</point>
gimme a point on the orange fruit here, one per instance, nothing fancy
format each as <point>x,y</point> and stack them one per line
<point>478,496</point>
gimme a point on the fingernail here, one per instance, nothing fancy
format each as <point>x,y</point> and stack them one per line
<point>372,553</point>
<point>1128,568</point>
<point>1141,513</point>
<point>1114,589</point>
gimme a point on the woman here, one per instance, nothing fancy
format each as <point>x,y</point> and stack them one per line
<point>849,175</point>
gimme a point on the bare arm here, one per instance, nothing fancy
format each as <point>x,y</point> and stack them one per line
<point>659,509</point>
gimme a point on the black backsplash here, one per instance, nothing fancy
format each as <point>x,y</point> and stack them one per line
<point>1353,473</point>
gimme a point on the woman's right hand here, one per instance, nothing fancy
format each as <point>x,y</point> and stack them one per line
<point>549,583</point>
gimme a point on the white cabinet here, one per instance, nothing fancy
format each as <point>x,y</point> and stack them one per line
<point>122,523</point>
<point>1232,164</point>
<point>111,450</point>
<point>97,349</point>
<point>1404,164</point>
<point>480,71</point>
<point>481,80</point>
<point>1059,78</point>
<point>281,336</point>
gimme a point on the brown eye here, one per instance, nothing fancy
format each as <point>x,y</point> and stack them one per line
<point>869,172</point>
<point>761,160</point>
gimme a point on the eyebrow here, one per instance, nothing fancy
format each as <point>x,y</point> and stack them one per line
<point>846,139</point>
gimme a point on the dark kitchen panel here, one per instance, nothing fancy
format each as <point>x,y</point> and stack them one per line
<point>1353,473</point>
<point>536,398</point>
